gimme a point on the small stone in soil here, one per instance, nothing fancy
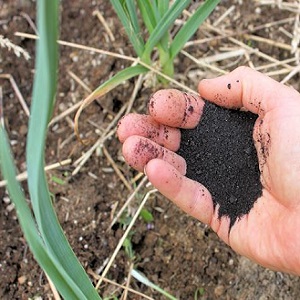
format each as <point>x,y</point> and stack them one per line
<point>220,154</point>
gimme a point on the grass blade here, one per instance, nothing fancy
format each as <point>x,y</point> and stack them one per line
<point>151,15</point>
<point>140,277</point>
<point>155,10</point>
<point>132,14</point>
<point>41,110</point>
<point>147,13</point>
<point>163,26</point>
<point>104,88</point>
<point>191,26</point>
<point>118,79</point>
<point>134,36</point>
<point>163,6</point>
<point>50,265</point>
<point>44,89</point>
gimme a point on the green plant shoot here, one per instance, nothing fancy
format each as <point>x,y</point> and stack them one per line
<point>148,24</point>
<point>42,230</point>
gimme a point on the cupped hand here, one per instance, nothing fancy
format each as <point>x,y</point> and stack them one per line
<point>270,233</point>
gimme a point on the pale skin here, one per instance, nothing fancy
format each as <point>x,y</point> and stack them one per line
<point>270,233</point>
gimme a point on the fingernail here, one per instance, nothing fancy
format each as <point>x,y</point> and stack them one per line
<point>145,170</point>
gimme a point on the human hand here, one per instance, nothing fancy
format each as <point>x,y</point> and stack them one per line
<point>270,233</point>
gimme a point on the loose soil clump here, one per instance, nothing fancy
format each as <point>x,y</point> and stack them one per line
<point>220,154</point>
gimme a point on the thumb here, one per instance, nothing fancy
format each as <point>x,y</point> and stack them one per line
<point>245,87</point>
<point>191,196</point>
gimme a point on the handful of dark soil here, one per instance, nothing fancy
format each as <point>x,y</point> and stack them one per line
<point>220,154</point>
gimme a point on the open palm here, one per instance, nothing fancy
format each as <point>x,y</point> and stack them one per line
<point>270,233</point>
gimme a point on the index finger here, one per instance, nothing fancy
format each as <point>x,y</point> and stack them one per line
<point>245,87</point>
<point>175,108</point>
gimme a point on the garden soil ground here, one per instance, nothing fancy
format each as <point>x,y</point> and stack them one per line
<point>175,251</point>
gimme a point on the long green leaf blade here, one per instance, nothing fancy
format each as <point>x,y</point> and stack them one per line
<point>155,10</point>
<point>141,278</point>
<point>117,79</point>
<point>151,14</point>
<point>147,13</point>
<point>133,17</point>
<point>41,110</point>
<point>134,36</point>
<point>163,26</point>
<point>191,26</point>
<point>107,86</point>
<point>163,6</point>
<point>50,265</point>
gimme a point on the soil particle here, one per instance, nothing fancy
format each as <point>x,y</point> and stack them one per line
<point>263,139</point>
<point>152,101</point>
<point>166,132</point>
<point>220,154</point>
<point>152,133</point>
<point>146,147</point>
<point>189,109</point>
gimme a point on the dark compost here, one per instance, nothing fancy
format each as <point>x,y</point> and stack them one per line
<point>220,154</point>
